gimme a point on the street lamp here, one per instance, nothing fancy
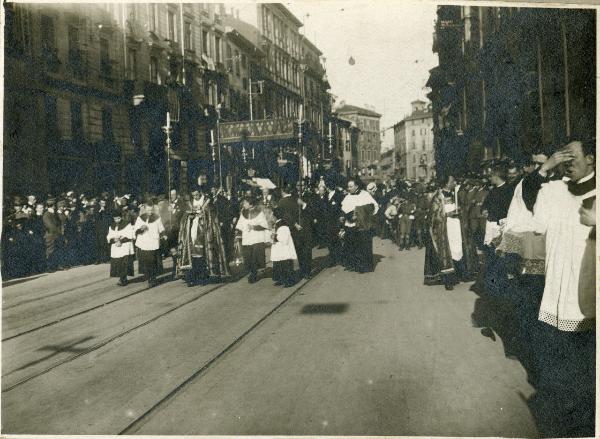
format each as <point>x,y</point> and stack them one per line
<point>167,129</point>
<point>330,137</point>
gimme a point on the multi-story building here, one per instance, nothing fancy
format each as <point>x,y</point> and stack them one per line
<point>87,111</point>
<point>344,136</point>
<point>369,138</point>
<point>387,164</point>
<point>65,120</point>
<point>280,40</point>
<point>413,143</point>
<point>510,80</point>
<point>294,83</point>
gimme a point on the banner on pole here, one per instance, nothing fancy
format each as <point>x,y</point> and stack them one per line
<point>256,130</point>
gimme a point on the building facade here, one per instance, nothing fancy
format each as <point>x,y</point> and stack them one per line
<point>509,81</point>
<point>100,79</point>
<point>387,164</point>
<point>345,138</point>
<point>369,139</point>
<point>413,143</point>
<point>65,120</point>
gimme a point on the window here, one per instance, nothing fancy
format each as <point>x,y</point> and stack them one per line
<point>75,56</point>
<point>152,17</point>
<point>76,121</point>
<point>154,74</point>
<point>237,63</point>
<point>47,24</point>
<point>187,30</point>
<point>192,144</point>
<point>229,59</point>
<point>245,84</point>
<point>132,9</point>
<point>189,76</point>
<point>423,144</point>
<point>205,43</point>
<point>105,66</point>
<point>413,133</point>
<point>172,32</point>
<point>107,128</point>
<point>17,29</point>
<point>132,64</point>
<point>218,49</point>
<point>51,118</point>
<point>244,62</point>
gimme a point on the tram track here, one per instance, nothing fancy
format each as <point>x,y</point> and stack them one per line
<point>58,293</point>
<point>138,422</point>
<point>112,338</point>
<point>76,314</point>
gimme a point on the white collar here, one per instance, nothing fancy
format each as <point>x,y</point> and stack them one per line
<point>587,177</point>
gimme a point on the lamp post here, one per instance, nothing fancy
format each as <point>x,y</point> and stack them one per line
<point>330,137</point>
<point>215,144</point>
<point>300,147</point>
<point>167,130</point>
<point>219,147</point>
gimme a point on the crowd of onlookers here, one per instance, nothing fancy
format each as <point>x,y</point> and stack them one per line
<point>57,232</point>
<point>524,232</point>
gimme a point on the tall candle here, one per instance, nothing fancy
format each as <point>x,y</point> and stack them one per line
<point>168,120</point>
<point>212,136</point>
<point>329,128</point>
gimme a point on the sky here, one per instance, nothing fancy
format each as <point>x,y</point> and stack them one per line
<point>391,43</point>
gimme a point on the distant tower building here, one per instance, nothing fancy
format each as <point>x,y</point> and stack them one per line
<point>413,143</point>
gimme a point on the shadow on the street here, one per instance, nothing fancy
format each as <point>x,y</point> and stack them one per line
<point>377,259</point>
<point>56,350</point>
<point>324,308</point>
<point>563,404</point>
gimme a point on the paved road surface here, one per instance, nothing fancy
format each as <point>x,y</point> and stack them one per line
<point>341,354</point>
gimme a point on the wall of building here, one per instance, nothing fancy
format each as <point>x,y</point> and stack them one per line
<point>82,71</point>
<point>510,80</point>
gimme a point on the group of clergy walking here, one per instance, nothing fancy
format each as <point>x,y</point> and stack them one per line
<point>287,220</point>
